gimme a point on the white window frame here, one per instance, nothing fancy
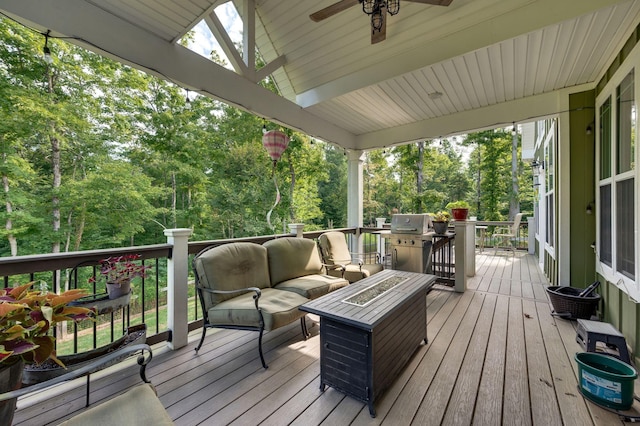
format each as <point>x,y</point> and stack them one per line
<point>629,286</point>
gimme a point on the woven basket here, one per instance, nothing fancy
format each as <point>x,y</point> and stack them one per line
<point>567,304</point>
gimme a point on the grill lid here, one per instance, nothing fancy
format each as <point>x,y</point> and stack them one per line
<point>416,224</point>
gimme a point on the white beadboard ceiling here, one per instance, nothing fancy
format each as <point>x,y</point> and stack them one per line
<point>494,61</point>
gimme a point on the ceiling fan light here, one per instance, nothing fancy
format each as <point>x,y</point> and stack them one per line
<point>393,6</point>
<point>377,20</point>
<point>369,6</point>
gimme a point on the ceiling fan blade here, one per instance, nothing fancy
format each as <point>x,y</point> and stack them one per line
<point>378,36</point>
<point>433,2</point>
<point>332,10</point>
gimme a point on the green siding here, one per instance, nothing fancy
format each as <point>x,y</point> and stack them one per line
<point>582,175</point>
<point>616,308</point>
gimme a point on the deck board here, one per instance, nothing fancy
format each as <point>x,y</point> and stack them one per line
<point>495,355</point>
<point>516,381</point>
<point>489,408</point>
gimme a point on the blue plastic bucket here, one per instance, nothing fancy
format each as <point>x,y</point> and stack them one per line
<point>606,380</point>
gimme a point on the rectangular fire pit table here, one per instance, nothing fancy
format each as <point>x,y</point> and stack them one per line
<point>369,330</point>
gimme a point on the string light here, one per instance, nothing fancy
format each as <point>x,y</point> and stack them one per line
<point>47,52</point>
<point>187,103</point>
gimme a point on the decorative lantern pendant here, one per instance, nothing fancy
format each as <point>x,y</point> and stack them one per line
<point>275,142</point>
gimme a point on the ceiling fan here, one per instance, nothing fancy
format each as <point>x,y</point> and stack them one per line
<point>376,9</point>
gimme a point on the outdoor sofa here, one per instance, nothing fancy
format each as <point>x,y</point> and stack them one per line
<point>249,286</point>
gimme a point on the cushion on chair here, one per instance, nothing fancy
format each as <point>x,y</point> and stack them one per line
<point>291,257</point>
<point>137,406</point>
<point>278,308</point>
<point>230,267</point>
<point>334,247</point>
<point>355,273</point>
<point>313,286</point>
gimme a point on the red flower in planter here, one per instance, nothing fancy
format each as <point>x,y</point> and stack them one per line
<point>119,269</point>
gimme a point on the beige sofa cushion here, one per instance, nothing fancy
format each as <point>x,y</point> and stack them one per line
<point>137,406</point>
<point>291,257</point>
<point>313,286</point>
<point>278,308</point>
<point>231,267</point>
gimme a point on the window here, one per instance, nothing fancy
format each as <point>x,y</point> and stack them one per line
<point>549,181</point>
<point>605,183</point>
<point>616,184</point>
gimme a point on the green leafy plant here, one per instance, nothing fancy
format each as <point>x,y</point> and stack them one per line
<point>27,316</point>
<point>441,216</point>
<point>458,205</point>
<point>119,269</point>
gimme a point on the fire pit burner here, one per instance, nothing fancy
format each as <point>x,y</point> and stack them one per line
<point>369,294</point>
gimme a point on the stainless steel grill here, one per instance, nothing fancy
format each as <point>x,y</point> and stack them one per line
<point>411,242</point>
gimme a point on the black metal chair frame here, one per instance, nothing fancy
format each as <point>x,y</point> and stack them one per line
<point>256,297</point>
<point>144,358</point>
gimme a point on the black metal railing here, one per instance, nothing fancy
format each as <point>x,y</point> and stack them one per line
<point>148,303</point>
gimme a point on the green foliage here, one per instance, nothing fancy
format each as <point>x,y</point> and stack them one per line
<point>490,170</point>
<point>134,159</point>
<point>461,204</point>
<point>441,216</point>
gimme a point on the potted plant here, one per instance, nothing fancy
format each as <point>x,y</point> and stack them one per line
<point>118,272</point>
<point>440,221</point>
<point>459,209</point>
<point>26,317</point>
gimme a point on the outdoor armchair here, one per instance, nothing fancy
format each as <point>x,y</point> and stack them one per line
<point>506,235</point>
<point>341,262</point>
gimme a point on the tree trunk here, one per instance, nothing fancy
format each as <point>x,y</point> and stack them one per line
<point>479,187</point>
<point>13,242</point>
<point>420,176</point>
<point>173,200</point>
<point>514,203</point>
<point>292,207</point>
<point>80,230</point>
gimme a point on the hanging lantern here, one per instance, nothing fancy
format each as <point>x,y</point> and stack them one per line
<point>275,142</point>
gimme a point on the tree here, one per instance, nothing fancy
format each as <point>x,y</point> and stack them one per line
<point>492,153</point>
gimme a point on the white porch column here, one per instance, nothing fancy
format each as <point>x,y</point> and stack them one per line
<point>380,221</point>
<point>465,248</point>
<point>531,229</point>
<point>177,274</point>
<point>296,228</point>
<point>354,196</point>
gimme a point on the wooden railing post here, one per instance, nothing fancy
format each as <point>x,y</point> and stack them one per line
<point>177,294</point>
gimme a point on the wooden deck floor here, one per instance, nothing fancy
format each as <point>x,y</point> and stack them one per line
<point>495,356</point>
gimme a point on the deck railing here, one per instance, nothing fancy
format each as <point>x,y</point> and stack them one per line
<point>165,300</point>
<point>149,303</point>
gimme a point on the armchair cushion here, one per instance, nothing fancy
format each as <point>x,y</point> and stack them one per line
<point>278,308</point>
<point>357,272</point>
<point>138,406</point>
<point>231,267</point>
<point>334,248</point>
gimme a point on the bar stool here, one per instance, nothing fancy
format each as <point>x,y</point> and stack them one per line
<point>591,332</point>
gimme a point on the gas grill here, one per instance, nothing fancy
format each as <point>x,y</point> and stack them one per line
<point>411,242</point>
